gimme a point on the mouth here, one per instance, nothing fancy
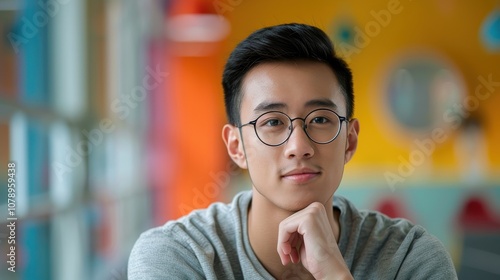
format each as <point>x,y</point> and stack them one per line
<point>301,175</point>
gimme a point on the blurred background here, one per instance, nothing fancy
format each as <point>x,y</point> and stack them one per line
<point>111,111</point>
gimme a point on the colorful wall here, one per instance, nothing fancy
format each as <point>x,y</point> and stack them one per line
<point>448,30</point>
<point>112,112</point>
<point>429,174</point>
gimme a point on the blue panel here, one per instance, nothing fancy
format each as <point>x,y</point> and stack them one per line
<point>31,30</point>
<point>34,236</point>
<point>38,159</point>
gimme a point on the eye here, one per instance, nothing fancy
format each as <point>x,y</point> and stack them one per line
<point>320,120</point>
<point>273,122</point>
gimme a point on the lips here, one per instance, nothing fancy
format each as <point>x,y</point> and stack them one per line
<point>301,175</point>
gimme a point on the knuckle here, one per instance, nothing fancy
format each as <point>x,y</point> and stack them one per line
<point>317,207</point>
<point>281,225</point>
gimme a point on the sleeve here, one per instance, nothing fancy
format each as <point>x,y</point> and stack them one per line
<point>155,255</point>
<point>427,258</point>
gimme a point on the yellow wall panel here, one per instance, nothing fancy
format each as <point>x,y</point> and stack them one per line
<point>448,29</point>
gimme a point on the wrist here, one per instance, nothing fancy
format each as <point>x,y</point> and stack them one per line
<point>335,268</point>
<point>338,275</point>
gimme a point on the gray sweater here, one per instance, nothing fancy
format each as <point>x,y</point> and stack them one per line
<point>213,244</point>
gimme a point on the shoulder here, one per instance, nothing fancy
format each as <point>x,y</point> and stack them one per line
<point>390,247</point>
<point>158,252</point>
<point>187,244</point>
<point>426,258</point>
<point>373,224</point>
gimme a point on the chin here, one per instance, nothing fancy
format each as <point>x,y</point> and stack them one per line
<point>300,200</point>
<point>293,198</point>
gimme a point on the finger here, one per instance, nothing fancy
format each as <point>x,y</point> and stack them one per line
<point>289,238</point>
<point>284,247</point>
<point>294,256</point>
<point>296,242</point>
<point>289,251</point>
<point>303,257</point>
<point>284,250</point>
<point>285,258</point>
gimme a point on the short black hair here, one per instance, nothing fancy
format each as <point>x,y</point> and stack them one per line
<point>282,43</point>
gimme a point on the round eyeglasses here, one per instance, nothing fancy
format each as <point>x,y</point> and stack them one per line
<point>274,128</point>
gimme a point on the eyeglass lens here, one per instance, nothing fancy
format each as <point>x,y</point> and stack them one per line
<point>274,128</point>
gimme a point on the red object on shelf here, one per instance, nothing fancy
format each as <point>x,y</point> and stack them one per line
<point>476,214</point>
<point>393,208</point>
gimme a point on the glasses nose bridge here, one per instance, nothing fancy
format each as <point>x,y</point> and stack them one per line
<point>304,126</point>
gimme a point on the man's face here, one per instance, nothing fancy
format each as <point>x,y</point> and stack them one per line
<point>298,172</point>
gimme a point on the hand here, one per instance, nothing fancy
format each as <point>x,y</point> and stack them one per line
<point>307,236</point>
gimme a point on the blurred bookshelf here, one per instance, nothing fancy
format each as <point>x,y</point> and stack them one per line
<point>80,200</point>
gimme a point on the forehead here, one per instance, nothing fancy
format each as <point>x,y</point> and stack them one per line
<point>291,87</point>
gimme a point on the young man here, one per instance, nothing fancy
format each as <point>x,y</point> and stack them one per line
<point>289,100</point>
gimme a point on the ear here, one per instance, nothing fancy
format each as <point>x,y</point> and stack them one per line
<point>352,139</point>
<point>234,145</point>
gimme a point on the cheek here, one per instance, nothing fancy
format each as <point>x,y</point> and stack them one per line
<point>334,168</point>
<point>262,167</point>
<point>262,160</point>
<point>333,158</point>
<point>253,149</point>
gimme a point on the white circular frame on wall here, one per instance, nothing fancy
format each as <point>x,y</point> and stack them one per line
<point>419,91</point>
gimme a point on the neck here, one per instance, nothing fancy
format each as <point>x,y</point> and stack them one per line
<point>263,221</point>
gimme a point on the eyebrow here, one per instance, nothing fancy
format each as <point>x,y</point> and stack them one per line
<point>269,106</point>
<point>325,102</point>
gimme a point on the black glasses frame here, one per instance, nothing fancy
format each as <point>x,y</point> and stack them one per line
<point>304,126</point>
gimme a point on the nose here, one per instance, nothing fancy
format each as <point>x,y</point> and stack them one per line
<point>298,144</point>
